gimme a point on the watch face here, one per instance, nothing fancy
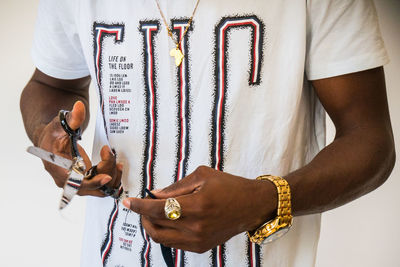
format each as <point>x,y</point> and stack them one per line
<point>277,234</point>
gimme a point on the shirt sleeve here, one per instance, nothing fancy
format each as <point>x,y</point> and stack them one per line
<point>56,49</point>
<point>343,37</point>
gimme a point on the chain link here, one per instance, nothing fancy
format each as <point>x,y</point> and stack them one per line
<point>169,29</point>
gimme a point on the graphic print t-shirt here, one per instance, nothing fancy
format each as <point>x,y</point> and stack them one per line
<point>240,102</point>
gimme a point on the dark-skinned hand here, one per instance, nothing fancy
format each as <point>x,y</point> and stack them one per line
<point>54,139</point>
<point>215,206</point>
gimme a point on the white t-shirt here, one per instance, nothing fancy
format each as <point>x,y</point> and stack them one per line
<point>240,102</point>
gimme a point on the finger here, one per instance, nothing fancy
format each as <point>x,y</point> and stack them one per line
<point>96,182</point>
<point>163,235</point>
<point>106,154</point>
<point>108,162</point>
<point>117,181</point>
<point>77,116</point>
<point>85,157</point>
<point>190,211</point>
<point>95,193</point>
<point>180,223</point>
<point>169,237</point>
<point>185,186</point>
<point>153,208</point>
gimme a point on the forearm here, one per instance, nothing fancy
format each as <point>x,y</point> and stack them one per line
<point>40,103</point>
<point>218,205</point>
<point>356,163</point>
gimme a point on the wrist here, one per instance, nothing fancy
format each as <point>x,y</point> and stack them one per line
<point>265,201</point>
<point>279,225</point>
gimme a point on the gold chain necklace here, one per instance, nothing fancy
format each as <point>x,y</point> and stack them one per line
<point>177,52</point>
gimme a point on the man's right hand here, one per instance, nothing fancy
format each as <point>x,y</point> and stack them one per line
<point>54,139</point>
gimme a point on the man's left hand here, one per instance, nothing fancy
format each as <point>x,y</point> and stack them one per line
<point>214,207</point>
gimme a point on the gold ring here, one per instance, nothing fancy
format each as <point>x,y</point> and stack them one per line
<point>172,209</point>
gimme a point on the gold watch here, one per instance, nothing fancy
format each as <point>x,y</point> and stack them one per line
<point>281,224</point>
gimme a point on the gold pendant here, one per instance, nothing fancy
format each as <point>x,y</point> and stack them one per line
<point>177,53</point>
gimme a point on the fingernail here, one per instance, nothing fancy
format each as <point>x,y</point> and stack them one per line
<point>127,203</point>
<point>105,180</point>
<point>156,191</point>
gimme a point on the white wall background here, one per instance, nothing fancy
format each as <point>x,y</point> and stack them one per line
<point>363,233</point>
<point>366,232</point>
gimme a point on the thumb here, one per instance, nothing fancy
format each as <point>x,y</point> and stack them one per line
<point>106,153</point>
<point>77,116</point>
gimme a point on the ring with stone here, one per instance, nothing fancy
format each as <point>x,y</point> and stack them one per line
<point>172,209</point>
